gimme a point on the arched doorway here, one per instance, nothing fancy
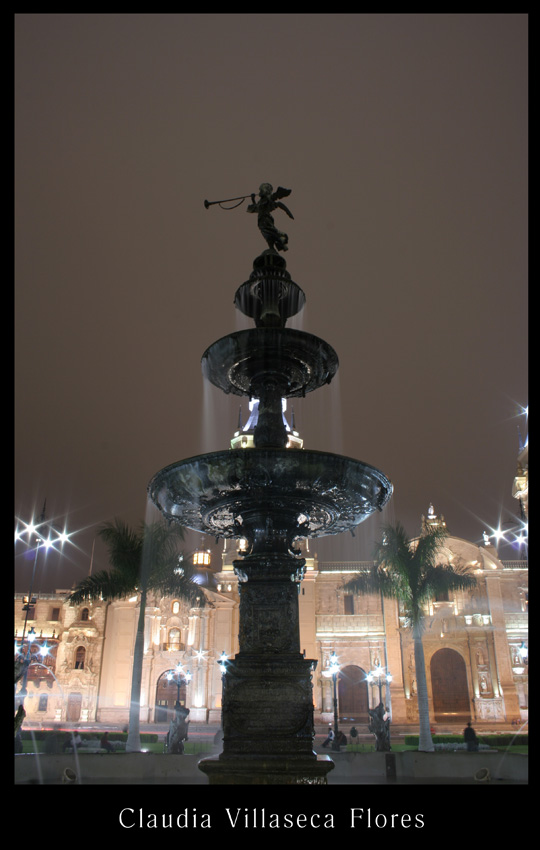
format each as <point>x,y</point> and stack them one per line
<point>353,694</point>
<point>167,692</point>
<point>449,687</point>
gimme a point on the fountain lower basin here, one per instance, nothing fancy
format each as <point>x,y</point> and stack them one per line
<point>270,494</point>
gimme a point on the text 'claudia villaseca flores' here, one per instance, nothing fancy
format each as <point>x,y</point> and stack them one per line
<point>241,818</point>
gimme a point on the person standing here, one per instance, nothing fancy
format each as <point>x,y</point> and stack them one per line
<point>470,738</point>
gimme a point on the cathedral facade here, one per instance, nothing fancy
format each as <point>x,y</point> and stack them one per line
<point>475,645</point>
<point>475,641</point>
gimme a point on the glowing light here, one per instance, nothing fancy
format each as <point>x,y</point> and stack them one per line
<point>34,535</point>
<point>498,534</point>
<point>334,664</point>
<point>201,557</point>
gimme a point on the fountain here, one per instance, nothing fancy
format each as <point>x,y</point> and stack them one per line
<point>271,497</point>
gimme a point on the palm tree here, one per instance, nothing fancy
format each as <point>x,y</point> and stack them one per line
<point>407,570</point>
<point>142,560</point>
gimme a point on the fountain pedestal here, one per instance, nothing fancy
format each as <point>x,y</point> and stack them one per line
<point>267,690</point>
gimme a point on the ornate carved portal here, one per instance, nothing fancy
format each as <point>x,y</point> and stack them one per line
<point>449,686</point>
<point>167,694</point>
<point>353,694</point>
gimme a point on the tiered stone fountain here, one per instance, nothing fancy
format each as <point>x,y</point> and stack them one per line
<point>272,497</point>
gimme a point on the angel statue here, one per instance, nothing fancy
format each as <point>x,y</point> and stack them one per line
<point>264,207</point>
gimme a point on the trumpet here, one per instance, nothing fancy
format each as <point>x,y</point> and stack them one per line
<point>227,201</point>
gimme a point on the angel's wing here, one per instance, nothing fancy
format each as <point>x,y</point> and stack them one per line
<point>282,193</point>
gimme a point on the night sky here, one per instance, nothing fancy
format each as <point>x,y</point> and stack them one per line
<point>403,138</point>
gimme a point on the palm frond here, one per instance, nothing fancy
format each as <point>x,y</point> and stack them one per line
<point>439,578</point>
<point>125,547</point>
<point>106,584</point>
<point>175,575</point>
<point>379,579</point>
<point>408,570</point>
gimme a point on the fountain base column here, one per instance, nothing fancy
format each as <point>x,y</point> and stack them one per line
<point>268,726</point>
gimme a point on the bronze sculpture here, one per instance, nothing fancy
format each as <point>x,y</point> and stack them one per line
<point>267,203</point>
<point>264,207</point>
<point>380,727</point>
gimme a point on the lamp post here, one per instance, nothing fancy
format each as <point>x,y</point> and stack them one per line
<point>379,674</point>
<point>42,535</point>
<point>379,723</point>
<point>222,661</point>
<point>179,677</point>
<point>334,672</point>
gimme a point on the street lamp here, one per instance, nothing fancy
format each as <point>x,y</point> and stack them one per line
<point>43,535</point>
<point>379,674</point>
<point>222,661</point>
<point>179,677</point>
<point>334,672</point>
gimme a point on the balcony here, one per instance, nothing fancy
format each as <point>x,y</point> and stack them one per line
<point>349,625</point>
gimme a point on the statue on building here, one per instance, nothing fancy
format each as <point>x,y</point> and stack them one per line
<point>178,730</point>
<point>380,727</point>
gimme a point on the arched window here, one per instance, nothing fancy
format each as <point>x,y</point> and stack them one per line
<point>80,655</point>
<point>175,606</point>
<point>85,614</point>
<point>174,640</point>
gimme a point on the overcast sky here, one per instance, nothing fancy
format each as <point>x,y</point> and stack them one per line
<point>403,138</point>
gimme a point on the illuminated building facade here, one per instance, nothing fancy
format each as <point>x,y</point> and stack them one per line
<point>475,643</point>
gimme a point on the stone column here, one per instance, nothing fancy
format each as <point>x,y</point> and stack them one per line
<point>505,677</point>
